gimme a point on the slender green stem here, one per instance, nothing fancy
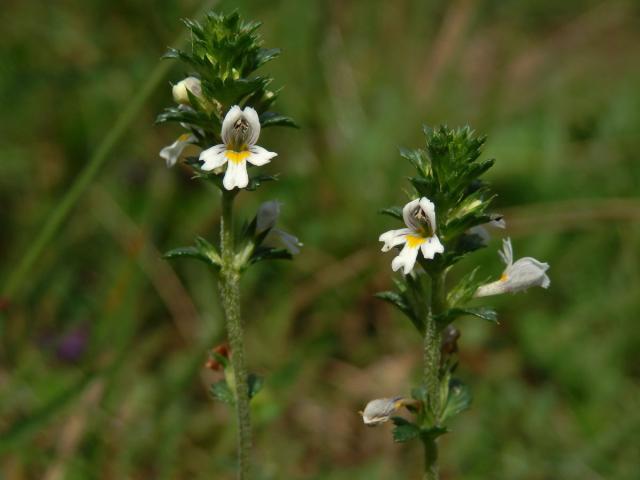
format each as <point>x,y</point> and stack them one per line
<point>430,459</point>
<point>431,370</point>
<point>62,209</point>
<point>230,296</point>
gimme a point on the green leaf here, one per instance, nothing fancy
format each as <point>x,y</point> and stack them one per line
<point>399,301</point>
<point>271,119</point>
<point>268,253</point>
<point>202,251</point>
<point>395,212</point>
<point>414,156</point>
<point>434,432</point>
<point>458,400</point>
<point>256,383</point>
<point>404,430</point>
<point>452,314</point>
<point>189,252</point>
<point>257,180</point>
<point>463,291</point>
<point>420,394</point>
<point>265,55</point>
<point>221,391</point>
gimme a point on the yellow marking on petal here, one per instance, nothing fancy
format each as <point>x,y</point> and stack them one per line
<point>184,137</point>
<point>504,277</point>
<point>414,241</point>
<point>236,157</point>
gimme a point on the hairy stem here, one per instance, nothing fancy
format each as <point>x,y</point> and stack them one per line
<point>430,459</point>
<point>431,370</point>
<point>230,296</point>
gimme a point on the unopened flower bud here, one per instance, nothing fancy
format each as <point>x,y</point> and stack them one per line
<point>179,90</point>
<point>218,353</point>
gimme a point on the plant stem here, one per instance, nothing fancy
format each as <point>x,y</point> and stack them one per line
<point>230,296</point>
<point>430,458</point>
<point>62,209</point>
<point>431,370</point>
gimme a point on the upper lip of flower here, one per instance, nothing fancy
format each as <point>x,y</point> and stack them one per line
<point>240,132</point>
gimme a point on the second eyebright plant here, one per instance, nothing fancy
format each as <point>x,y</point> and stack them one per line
<point>222,105</point>
<point>444,221</point>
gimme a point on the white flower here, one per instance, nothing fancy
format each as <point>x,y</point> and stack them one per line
<point>380,410</point>
<point>179,90</point>
<point>420,217</point>
<point>172,152</point>
<point>483,232</point>
<point>240,132</point>
<point>266,218</point>
<point>524,273</point>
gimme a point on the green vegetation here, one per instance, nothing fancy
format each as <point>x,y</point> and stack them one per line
<point>103,343</point>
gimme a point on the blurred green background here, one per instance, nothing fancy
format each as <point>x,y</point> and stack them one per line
<point>103,345</point>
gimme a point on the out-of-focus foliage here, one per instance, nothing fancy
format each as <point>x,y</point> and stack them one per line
<point>102,350</point>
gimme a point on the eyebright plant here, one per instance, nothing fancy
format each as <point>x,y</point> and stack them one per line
<point>222,106</point>
<point>444,221</point>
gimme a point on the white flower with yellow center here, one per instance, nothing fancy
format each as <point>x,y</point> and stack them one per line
<point>266,218</point>
<point>240,132</point>
<point>172,153</point>
<point>519,275</point>
<point>380,410</point>
<point>420,217</point>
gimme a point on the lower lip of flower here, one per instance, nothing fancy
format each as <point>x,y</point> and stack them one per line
<point>236,157</point>
<point>414,241</point>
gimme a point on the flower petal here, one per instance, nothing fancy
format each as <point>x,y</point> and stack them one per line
<point>431,247</point>
<point>236,175</point>
<point>230,119</point>
<point>393,238</point>
<point>290,242</point>
<point>429,209</point>
<point>498,221</point>
<point>172,152</point>
<point>525,273</point>
<point>520,275</point>
<point>506,254</point>
<point>407,213</point>
<point>380,410</point>
<point>267,215</point>
<point>481,232</point>
<point>213,157</point>
<point>260,156</point>
<point>406,259</point>
<point>254,125</point>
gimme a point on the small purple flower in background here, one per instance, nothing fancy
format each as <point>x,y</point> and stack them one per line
<point>68,347</point>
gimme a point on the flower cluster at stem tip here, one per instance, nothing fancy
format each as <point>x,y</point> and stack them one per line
<point>240,132</point>
<point>445,220</point>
